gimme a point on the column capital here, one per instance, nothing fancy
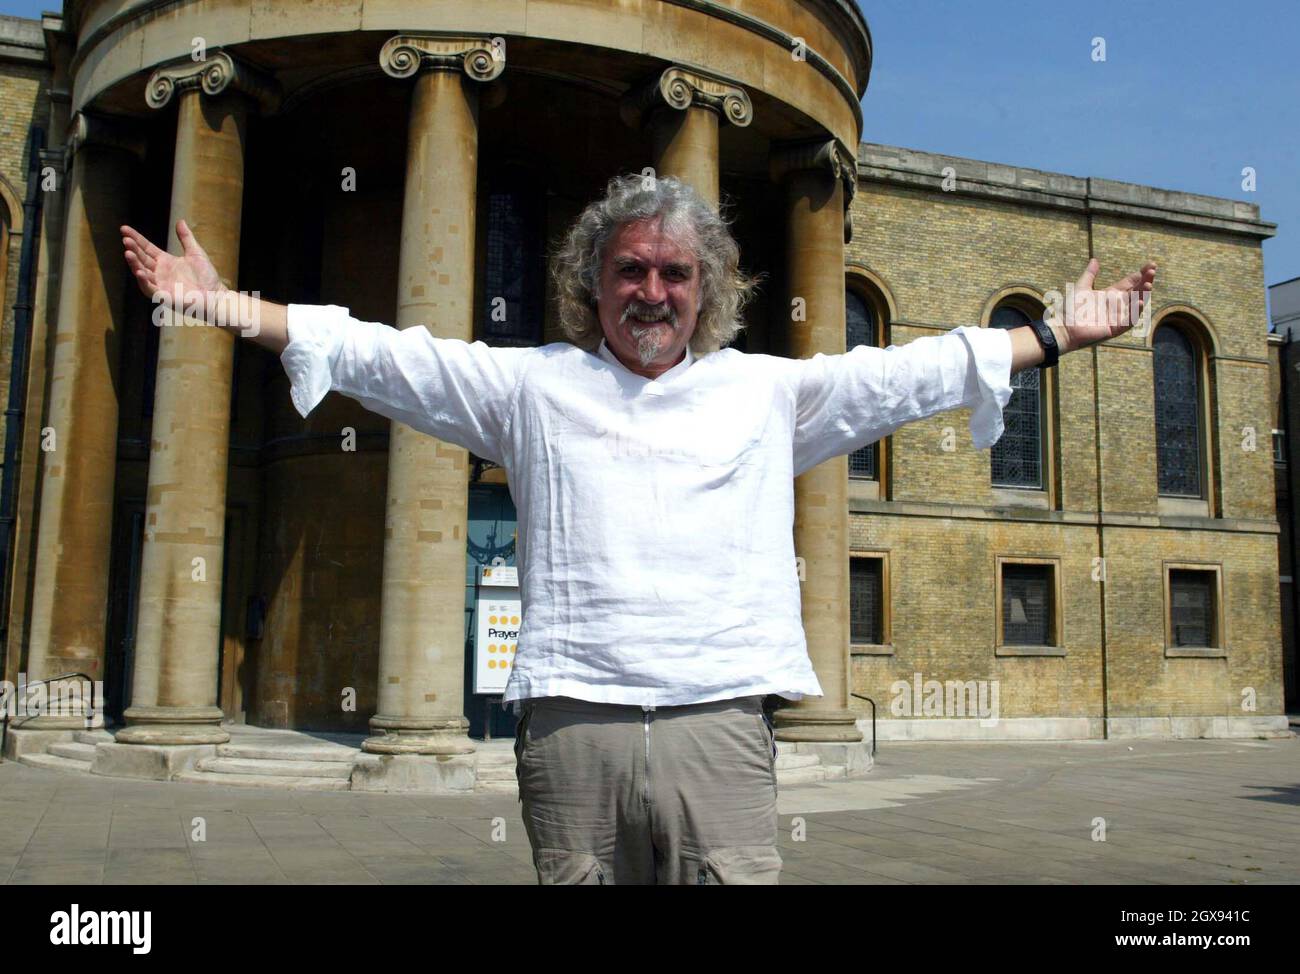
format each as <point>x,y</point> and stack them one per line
<point>481,58</point>
<point>86,128</point>
<point>820,155</point>
<point>681,88</point>
<point>212,75</point>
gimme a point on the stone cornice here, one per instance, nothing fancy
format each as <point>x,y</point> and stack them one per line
<point>681,88</point>
<point>480,58</point>
<point>212,75</point>
<point>1036,187</point>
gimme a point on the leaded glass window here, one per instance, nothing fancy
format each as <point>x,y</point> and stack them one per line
<point>860,329</point>
<point>1017,457</point>
<point>1027,605</point>
<point>1178,427</point>
<point>514,282</point>
<point>866,612</point>
<point>1191,607</point>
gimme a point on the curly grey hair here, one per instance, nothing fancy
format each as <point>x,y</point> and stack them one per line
<point>576,265</point>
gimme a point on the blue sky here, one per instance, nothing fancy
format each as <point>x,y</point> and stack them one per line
<point>1189,94</point>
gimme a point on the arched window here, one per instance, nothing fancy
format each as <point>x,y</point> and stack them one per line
<point>860,328</point>
<point>1018,456</point>
<point>1178,411</point>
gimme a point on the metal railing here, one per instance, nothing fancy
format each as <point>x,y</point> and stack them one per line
<point>873,719</point>
<point>4,719</point>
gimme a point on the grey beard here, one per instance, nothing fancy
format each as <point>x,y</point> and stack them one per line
<point>649,343</point>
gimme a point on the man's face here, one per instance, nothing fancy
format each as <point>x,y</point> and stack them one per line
<point>649,296</point>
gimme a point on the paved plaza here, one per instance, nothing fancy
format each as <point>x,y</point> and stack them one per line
<point>1192,811</point>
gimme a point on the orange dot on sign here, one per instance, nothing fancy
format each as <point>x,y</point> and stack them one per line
<point>514,647</point>
<point>492,647</point>
<point>514,620</point>
<point>492,664</point>
<point>492,620</point>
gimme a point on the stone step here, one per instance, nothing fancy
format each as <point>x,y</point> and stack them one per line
<point>53,762</point>
<point>276,768</point>
<point>495,756</point>
<point>335,753</point>
<point>497,787</point>
<point>292,782</point>
<point>789,760</point>
<point>801,776</point>
<point>97,736</point>
<point>496,772</point>
<point>76,752</point>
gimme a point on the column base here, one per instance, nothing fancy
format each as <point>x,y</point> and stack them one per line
<point>429,774</point>
<point>418,735</point>
<point>173,725</point>
<point>814,724</point>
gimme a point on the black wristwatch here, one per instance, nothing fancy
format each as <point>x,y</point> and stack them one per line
<point>1046,338</point>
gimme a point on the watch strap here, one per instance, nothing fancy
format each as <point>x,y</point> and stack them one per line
<point>1047,339</point>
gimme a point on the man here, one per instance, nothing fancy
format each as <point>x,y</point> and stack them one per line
<point>652,468</point>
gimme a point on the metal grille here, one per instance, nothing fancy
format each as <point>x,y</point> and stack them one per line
<point>1027,605</point>
<point>513,276</point>
<point>860,329</point>
<point>1191,609</point>
<point>1178,428</point>
<point>865,609</point>
<point>1017,457</point>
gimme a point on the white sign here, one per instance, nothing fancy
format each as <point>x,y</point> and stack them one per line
<point>497,611</point>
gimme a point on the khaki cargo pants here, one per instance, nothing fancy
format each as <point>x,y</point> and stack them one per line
<point>615,794</point>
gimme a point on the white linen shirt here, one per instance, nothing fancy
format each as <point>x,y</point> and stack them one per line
<point>655,517</point>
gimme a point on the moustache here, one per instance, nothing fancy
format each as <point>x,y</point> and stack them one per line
<point>664,311</point>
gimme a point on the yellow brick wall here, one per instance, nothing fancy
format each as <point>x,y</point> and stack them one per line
<point>943,257</point>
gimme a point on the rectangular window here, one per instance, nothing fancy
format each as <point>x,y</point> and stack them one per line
<point>1192,611</point>
<point>1028,603</point>
<point>868,591</point>
<point>1279,447</point>
<point>862,463</point>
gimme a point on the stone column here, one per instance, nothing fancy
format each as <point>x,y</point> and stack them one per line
<point>422,612</point>
<point>174,694</point>
<point>79,441</point>
<point>814,177</point>
<point>684,107</point>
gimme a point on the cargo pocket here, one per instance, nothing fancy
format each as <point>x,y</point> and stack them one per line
<point>753,865</point>
<point>563,867</point>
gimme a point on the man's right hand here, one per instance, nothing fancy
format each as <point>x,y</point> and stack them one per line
<point>181,283</point>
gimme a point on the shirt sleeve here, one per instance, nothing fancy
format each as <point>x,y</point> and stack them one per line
<point>457,391</point>
<point>845,402</point>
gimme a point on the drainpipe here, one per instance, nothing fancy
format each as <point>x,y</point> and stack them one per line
<point>1288,439</point>
<point>18,376</point>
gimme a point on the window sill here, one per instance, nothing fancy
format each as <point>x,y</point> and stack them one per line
<point>1193,506</point>
<point>863,489</point>
<point>871,649</point>
<point>1198,652</point>
<point>1027,650</point>
<point>1020,497</point>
